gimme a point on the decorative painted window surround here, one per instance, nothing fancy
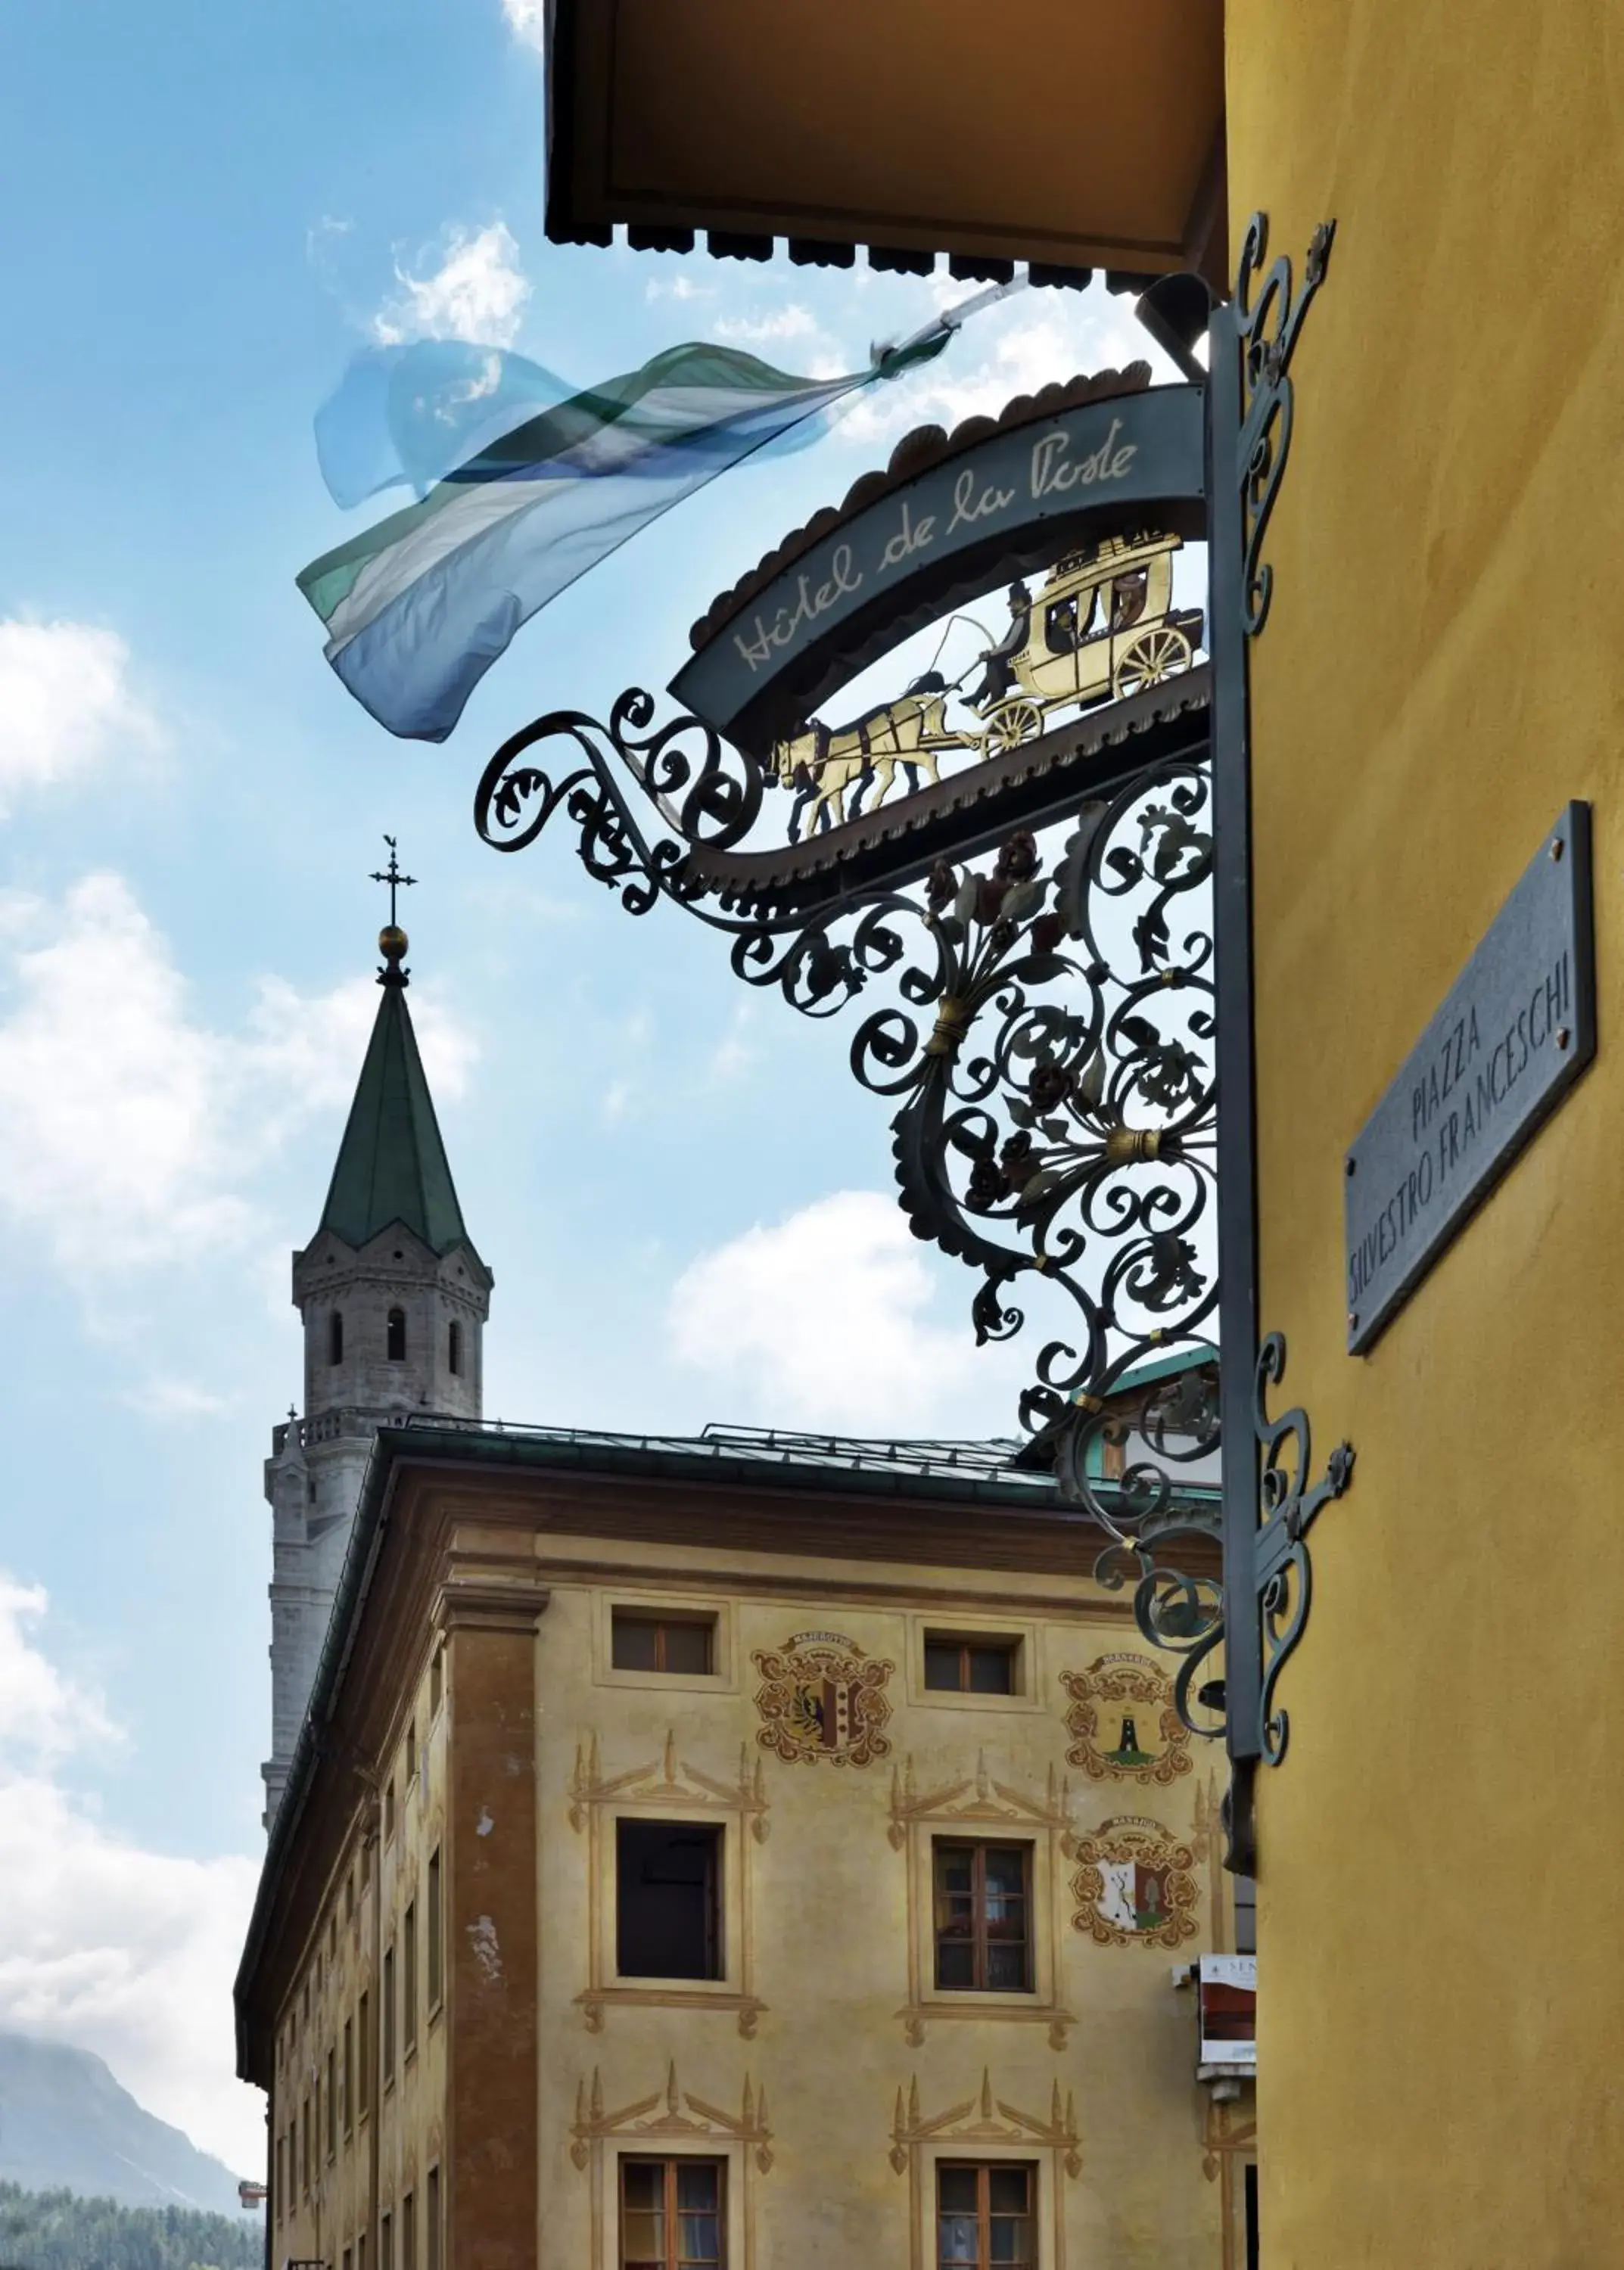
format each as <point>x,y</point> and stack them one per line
<point>669,1789</point>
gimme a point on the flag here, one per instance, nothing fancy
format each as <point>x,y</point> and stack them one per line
<point>419,607</point>
<point>408,414</point>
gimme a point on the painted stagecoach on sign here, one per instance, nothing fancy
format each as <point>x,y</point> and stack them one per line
<point>1102,627</point>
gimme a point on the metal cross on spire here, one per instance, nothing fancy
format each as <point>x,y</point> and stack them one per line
<point>392,876</point>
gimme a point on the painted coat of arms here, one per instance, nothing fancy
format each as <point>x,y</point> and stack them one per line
<point>1134,1884</point>
<point>821,1697</point>
<point>1123,1724</point>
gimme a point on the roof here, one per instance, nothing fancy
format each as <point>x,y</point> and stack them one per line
<point>392,1165</point>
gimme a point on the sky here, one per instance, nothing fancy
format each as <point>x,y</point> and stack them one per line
<point>681,1190</point>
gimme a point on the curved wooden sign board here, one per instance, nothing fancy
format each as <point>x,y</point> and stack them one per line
<point>1011,500</point>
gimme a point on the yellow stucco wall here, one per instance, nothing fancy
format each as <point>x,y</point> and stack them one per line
<point>1441,1998</point>
<point>825,1904</point>
<point>326,2215</point>
<point>818,1866</point>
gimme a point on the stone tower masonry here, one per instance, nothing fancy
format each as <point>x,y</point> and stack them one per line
<point>394,1299</point>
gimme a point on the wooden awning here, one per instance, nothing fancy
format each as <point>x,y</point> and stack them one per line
<point>1071,134</point>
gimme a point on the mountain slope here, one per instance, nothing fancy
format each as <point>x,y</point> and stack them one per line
<point>65,2121</point>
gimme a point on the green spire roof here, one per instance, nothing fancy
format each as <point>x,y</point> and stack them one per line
<point>392,1164</point>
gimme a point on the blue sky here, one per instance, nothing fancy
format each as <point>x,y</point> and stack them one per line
<point>680,1190</point>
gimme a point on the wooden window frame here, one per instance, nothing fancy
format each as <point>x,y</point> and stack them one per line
<point>435,1951</point>
<point>984,2169</point>
<point>660,1620</point>
<point>408,1982</point>
<point>979,1847</point>
<point>1007,1645</point>
<point>670,2163</point>
<point>390,2030</point>
<point>715,1834</point>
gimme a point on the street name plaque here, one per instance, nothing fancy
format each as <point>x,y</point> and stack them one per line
<point>1517,1029</point>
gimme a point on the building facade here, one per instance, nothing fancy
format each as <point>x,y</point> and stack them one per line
<point>1433,689</point>
<point>393,1298</point>
<point>719,1853</point>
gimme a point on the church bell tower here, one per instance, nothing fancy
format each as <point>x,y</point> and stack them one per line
<point>394,1299</point>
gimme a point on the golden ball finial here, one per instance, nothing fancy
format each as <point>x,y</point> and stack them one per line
<point>392,943</point>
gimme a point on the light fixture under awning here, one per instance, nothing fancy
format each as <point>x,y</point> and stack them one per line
<point>1073,134</point>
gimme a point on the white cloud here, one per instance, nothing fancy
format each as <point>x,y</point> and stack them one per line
<point>527,21</point>
<point>680,286</point>
<point>477,290</point>
<point>822,1320</point>
<point>43,1714</point>
<point>1024,354</point>
<point>130,1131</point>
<point>66,704</point>
<point>793,322</point>
<point>125,1952</point>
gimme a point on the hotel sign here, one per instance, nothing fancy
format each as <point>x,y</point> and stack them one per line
<point>1516,1031</point>
<point>1016,498</point>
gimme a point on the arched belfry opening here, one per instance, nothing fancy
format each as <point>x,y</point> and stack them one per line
<point>335,1336</point>
<point>395,1336</point>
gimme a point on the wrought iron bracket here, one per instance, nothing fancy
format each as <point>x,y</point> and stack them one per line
<point>1267,327</point>
<point>1250,412</point>
<point>1283,1574</point>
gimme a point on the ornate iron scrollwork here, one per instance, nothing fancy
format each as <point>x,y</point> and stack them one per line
<point>1283,1572</point>
<point>1267,328</point>
<point>1049,1047</point>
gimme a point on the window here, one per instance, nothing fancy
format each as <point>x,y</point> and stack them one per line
<point>365,1867</point>
<point>971,1665</point>
<point>409,2233</point>
<point>386,2243</point>
<point>348,2258</point>
<point>394,1341</point>
<point>318,1979</point>
<point>349,2075</point>
<point>349,1897</point>
<point>454,1345</point>
<point>304,2140</point>
<point>388,1810</point>
<point>653,1643</point>
<point>982,1895</point>
<point>360,2250</point>
<point>388,2018</point>
<point>409,1986</point>
<point>670,2215</point>
<point>431,2221</point>
<point>667,1876</point>
<point>332,2106</point>
<point>279,2180</point>
<point>436,1681</point>
<point>1245,1914</point>
<point>335,1337</point>
<point>363,2075</point>
<point>293,2163</point>
<point>984,2216</point>
<point>434,1980</point>
<point>412,1755</point>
